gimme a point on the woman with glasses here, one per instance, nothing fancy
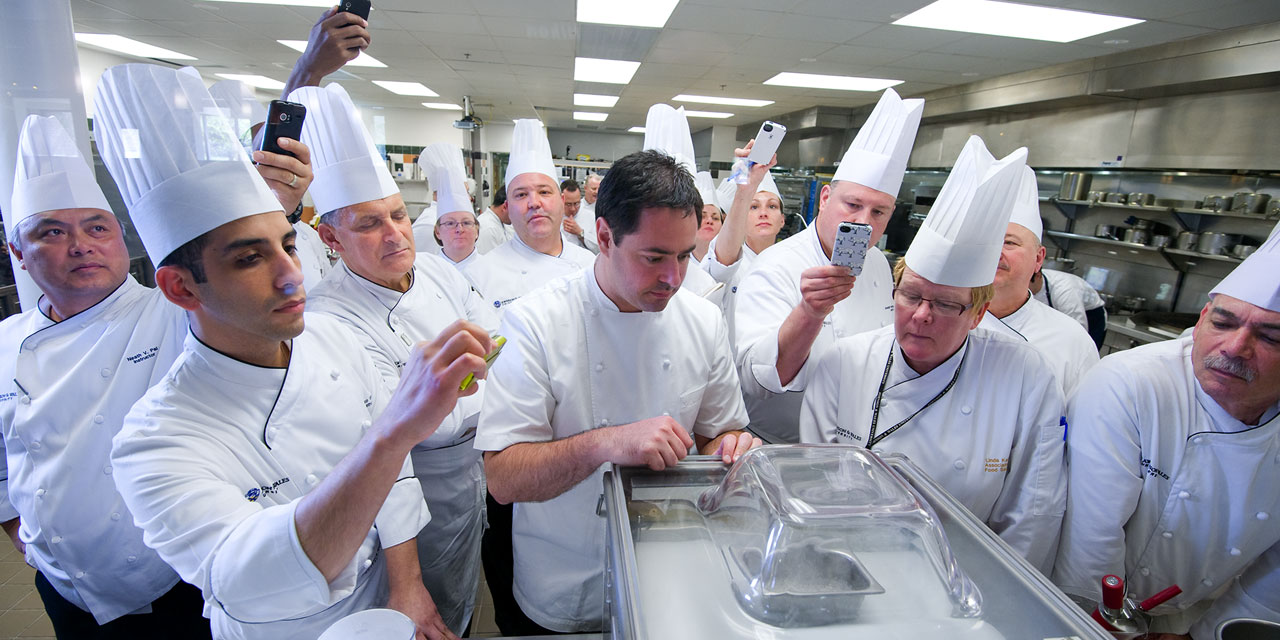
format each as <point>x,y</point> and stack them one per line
<point>976,410</point>
<point>456,233</point>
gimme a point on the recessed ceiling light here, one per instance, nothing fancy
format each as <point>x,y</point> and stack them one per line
<point>733,102</point>
<point>808,59</point>
<point>253,80</point>
<point>707,114</point>
<point>362,60</point>
<point>129,46</point>
<point>1013,20</point>
<point>590,115</point>
<point>1116,41</point>
<point>628,13</point>
<point>444,106</point>
<point>284,3</point>
<point>842,83</point>
<point>635,130</point>
<point>406,88</point>
<point>593,100</point>
<point>606,71</point>
<point>970,74</point>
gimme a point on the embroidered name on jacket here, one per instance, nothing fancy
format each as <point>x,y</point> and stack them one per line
<point>845,433</point>
<point>143,356</point>
<point>1152,471</point>
<point>253,494</point>
<point>8,396</point>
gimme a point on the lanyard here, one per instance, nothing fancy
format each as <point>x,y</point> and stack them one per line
<point>872,438</point>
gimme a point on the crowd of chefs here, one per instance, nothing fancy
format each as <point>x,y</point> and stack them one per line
<point>269,441</point>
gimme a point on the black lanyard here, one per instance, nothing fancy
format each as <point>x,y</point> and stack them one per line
<point>872,438</point>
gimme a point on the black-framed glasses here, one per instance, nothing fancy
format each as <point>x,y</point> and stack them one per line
<point>452,224</point>
<point>910,300</point>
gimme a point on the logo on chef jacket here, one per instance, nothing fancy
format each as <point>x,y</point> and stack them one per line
<point>253,494</point>
<point>498,304</point>
<point>845,433</point>
<point>8,396</point>
<point>1152,471</point>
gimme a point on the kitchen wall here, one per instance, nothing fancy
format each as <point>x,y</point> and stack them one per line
<point>600,145</point>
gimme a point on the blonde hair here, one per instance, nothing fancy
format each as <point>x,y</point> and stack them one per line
<point>978,296</point>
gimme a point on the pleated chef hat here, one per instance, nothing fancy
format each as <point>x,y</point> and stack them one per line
<point>443,164</point>
<point>706,188</point>
<point>50,174</point>
<point>348,168</point>
<point>530,152</point>
<point>1026,209</point>
<point>1254,280</point>
<point>240,104</point>
<point>959,243</point>
<point>180,169</point>
<point>667,130</point>
<point>878,156</point>
<point>728,188</point>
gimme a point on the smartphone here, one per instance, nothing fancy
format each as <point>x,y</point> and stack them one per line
<point>284,120</point>
<point>498,341</point>
<point>767,141</point>
<point>850,248</point>
<point>358,7</point>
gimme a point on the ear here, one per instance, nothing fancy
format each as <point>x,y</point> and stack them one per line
<point>328,237</point>
<point>604,236</point>
<point>823,196</point>
<point>178,286</point>
<point>1040,257</point>
<point>17,254</point>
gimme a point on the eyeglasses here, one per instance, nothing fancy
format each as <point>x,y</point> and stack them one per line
<point>909,300</point>
<point>451,224</point>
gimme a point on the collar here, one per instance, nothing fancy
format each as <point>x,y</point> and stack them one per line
<point>1220,420</point>
<point>388,298</point>
<point>232,371</point>
<point>521,247</point>
<point>99,311</point>
<point>901,372</point>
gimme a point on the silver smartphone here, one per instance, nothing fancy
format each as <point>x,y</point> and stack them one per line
<point>767,141</point>
<point>851,244</point>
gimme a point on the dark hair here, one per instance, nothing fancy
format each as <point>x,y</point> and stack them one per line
<point>189,256</point>
<point>640,181</point>
<point>570,185</point>
<point>500,196</point>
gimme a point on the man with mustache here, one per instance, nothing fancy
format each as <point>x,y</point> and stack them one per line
<point>1174,463</point>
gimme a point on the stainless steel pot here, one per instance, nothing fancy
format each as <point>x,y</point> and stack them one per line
<point>1187,241</point>
<point>1248,629</point>
<point>1142,199</point>
<point>1217,244</point>
<point>1253,203</point>
<point>1115,198</point>
<point>1217,203</point>
<point>1109,231</point>
<point>1273,209</point>
<point>1243,251</point>
<point>1137,236</point>
<point>1075,185</point>
<point>1140,223</point>
<point>1161,241</point>
<point>1097,196</point>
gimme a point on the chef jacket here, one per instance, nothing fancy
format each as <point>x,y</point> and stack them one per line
<point>765,299</point>
<point>587,220</point>
<point>424,228</point>
<point>731,275</point>
<point>65,390</point>
<point>466,266</point>
<point>1069,294</point>
<point>1067,347</point>
<point>213,460</point>
<point>1167,488</point>
<point>313,255</point>
<point>515,269</point>
<point>493,232</point>
<point>986,424</point>
<point>573,362</point>
<point>387,324</point>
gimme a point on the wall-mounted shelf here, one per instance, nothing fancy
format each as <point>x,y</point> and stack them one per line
<point>1184,261</point>
<point>1186,219</point>
<point>1193,219</point>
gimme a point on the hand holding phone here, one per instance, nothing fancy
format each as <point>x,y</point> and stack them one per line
<point>498,342</point>
<point>850,246</point>
<point>284,120</point>
<point>356,7</point>
<point>767,141</point>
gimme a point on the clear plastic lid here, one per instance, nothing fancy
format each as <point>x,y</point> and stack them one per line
<point>799,526</point>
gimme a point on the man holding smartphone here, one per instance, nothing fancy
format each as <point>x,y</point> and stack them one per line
<point>794,304</point>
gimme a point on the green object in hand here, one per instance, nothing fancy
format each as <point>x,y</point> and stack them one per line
<point>488,361</point>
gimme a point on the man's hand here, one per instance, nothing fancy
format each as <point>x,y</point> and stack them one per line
<point>336,39</point>
<point>730,446</point>
<point>822,287</point>
<point>657,443</point>
<point>288,177</point>
<point>416,603</point>
<point>11,527</point>
<point>572,227</point>
<point>429,384</point>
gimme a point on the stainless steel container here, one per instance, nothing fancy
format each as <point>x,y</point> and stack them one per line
<point>1248,629</point>
<point>1250,203</point>
<point>1109,231</point>
<point>1116,198</point>
<point>1217,244</point>
<point>1187,241</point>
<point>1097,196</point>
<point>1273,209</point>
<point>1075,185</point>
<point>1161,241</point>
<point>1243,251</point>
<point>1137,236</point>
<point>1217,203</point>
<point>1142,199</point>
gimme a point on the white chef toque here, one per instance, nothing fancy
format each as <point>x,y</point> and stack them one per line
<point>728,188</point>
<point>706,188</point>
<point>179,167</point>
<point>878,156</point>
<point>1026,209</point>
<point>50,174</point>
<point>348,168</point>
<point>769,185</point>
<point>442,163</point>
<point>1254,280</point>
<point>959,243</point>
<point>530,152</point>
<point>241,106</point>
<point>667,130</point>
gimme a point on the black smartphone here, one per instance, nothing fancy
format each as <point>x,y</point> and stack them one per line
<point>284,120</point>
<point>358,7</point>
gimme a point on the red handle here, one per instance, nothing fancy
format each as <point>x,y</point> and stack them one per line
<point>1113,592</point>
<point>1160,598</point>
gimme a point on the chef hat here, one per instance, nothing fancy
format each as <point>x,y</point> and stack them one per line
<point>1026,209</point>
<point>706,188</point>
<point>728,189</point>
<point>878,156</point>
<point>530,152</point>
<point>667,130</point>
<point>348,168</point>
<point>1254,280</point>
<point>443,164</point>
<point>239,102</point>
<point>959,243</point>
<point>179,167</point>
<point>51,173</point>
<point>769,185</point>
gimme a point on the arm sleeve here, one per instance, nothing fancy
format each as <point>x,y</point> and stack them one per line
<point>765,299</point>
<point>821,406</point>
<point>518,400</point>
<point>404,513</point>
<point>1255,595</point>
<point>722,406</point>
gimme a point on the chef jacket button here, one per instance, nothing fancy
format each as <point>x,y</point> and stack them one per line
<point>271,433</point>
<point>966,410</point>
<point>1184,495</point>
<point>107,469</point>
<point>115,516</point>
<point>595,312</point>
<point>1234,551</point>
<point>98,419</point>
<point>364,425</point>
<point>368,563</point>
<point>334,374</point>
<point>604,423</point>
<point>79,574</point>
<point>1207,582</point>
<point>599,366</point>
<point>1167,535</point>
<point>524,272</point>
<point>25,400</point>
<point>40,493</point>
<point>55,539</point>
<point>312,479</point>
<point>960,465</point>
<point>106,373</point>
<point>666,364</point>
<point>1197,440</point>
<point>1262,515</point>
<point>131,559</point>
<point>1144,571</point>
<point>35,446</point>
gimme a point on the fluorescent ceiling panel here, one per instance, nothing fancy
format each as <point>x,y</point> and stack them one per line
<point>1013,20</point>
<point>733,102</point>
<point>446,106</point>
<point>627,13</point>
<point>590,115</point>
<point>129,46</point>
<point>285,3</point>
<point>842,83</point>
<point>635,130</point>
<point>406,88</point>
<point>606,71</point>
<point>362,60</point>
<point>706,114</point>
<point>253,80</point>
<point>593,100</point>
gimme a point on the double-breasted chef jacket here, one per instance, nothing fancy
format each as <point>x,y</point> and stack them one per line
<point>766,297</point>
<point>515,269</point>
<point>65,388</point>
<point>986,424</point>
<point>1167,488</point>
<point>213,460</point>
<point>493,232</point>
<point>574,362</point>
<point>1065,345</point>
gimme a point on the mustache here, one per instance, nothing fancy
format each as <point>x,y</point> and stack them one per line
<point>1233,366</point>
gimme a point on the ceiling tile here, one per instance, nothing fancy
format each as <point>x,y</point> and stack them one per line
<point>716,20</point>
<point>457,24</point>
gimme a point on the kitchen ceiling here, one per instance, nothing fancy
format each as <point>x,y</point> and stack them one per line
<point>515,58</point>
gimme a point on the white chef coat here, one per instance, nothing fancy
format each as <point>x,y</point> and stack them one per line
<point>64,391</point>
<point>574,362</point>
<point>493,232</point>
<point>994,440</point>
<point>1064,344</point>
<point>514,269</point>
<point>1167,488</point>
<point>213,460</point>
<point>767,296</point>
<point>424,227</point>
<point>1069,294</point>
<point>699,282</point>
<point>388,323</point>
<point>467,265</point>
<point>587,220</point>
<point>313,256</point>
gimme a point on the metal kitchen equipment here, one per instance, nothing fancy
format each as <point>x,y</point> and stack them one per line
<point>1137,236</point>
<point>831,541</point>
<point>1097,196</point>
<point>1109,231</point>
<point>1217,203</point>
<point>1273,209</point>
<point>1251,203</point>
<point>1142,199</point>
<point>1187,241</point>
<point>1161,241</point>
<point>1075,185</point>
<point>1217,244</point>
<point>1115,198</point>
<point>1243,251</point>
